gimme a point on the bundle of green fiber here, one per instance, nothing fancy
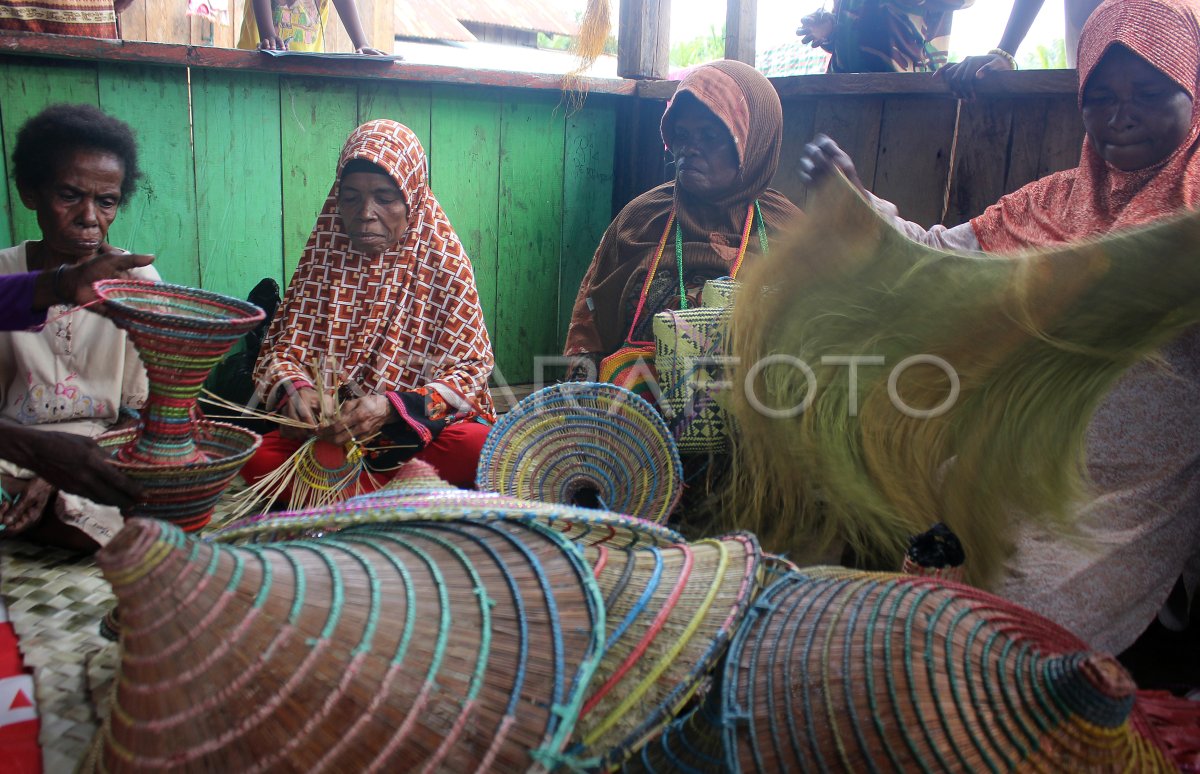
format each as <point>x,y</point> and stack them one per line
<point>1033,343</point>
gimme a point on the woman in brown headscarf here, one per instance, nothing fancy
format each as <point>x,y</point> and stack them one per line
<point>724,128</point>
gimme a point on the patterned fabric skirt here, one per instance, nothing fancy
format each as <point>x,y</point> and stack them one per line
<point>89,18</point>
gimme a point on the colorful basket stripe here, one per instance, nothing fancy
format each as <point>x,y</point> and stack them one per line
<point>581,438</point>
<point>185,494</point>
<point>450,646</point>
<point>671,612</point>
<point>416,493</point>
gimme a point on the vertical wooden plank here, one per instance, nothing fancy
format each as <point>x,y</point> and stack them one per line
<point>161,218</point>
<point>532,136</point>
<point>167,22</point>
<point>464,159</point>
<point>26,87</point>
<point>238,172</point>
<point>914,155</point>
<point>6,235</point>
<point>1025,147</point>
<point>854,124</point>
<point>337,40</point>
<point>404,102</point>
<point>798,120</point>
<point>741,30</point>
<point>133,21</point>
<point>587,193</point>
<point>316,117</point>
<point>981,157</point>
<point>1063,139</point>
<point>644,39</point>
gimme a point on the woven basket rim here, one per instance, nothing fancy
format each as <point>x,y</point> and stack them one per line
<point>114,439</point>
<point>250,314</point>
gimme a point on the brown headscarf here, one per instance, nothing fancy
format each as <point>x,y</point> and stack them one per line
<point>747,104</point>
<point>1096,197</point>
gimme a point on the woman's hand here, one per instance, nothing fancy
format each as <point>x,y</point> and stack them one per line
<point>821,157</point>
<point>73,464</point>
<point>302,405</point>
<point>359,419</point>
<point>961,77</point>
<point>816,28</point>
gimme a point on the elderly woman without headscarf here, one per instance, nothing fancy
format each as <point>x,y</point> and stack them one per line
<point>1138,65</point>
<point>724,128</point>
<point>384,305</point>
<point>75,167</point>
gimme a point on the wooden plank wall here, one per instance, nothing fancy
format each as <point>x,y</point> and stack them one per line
<point>232,200</point>
<point>904,146</point>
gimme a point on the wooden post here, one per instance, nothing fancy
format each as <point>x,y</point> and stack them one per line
<point>644,39</point>
<point>741,26</point>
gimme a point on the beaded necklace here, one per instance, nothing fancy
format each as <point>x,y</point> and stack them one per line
<point>751,211</point>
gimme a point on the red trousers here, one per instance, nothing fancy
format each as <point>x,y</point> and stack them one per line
<point>454,454</point>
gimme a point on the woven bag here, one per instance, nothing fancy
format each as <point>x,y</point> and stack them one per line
<point>691,345</point>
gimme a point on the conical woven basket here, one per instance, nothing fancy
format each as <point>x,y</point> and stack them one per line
<point>671,613</point>
<point>421,647</point>
<point>580,438</point>
<point>850,671</point>
<point>691,744</point>
<point>417,493</point>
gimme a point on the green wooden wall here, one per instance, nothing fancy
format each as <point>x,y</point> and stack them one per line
<point>237,165</point>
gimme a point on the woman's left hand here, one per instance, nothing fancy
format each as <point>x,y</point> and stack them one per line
<point>358,420</point>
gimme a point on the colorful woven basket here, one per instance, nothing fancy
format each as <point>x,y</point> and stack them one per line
<point>180,334</point>
<point>185,494</point>
<point>421,647</point>
<point>416,493</point>
<point>690,356</point>
<point>843,670</point>
<point>671,612</point>
<point>579,440</point>
<point>718,292</point>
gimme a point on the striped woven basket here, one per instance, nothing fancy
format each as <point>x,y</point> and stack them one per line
<point>578,440</point>
<point>416,493</point>
<point>851,671</point>
<point>718,292</point>
<point>690,347</point>
<point>671,612</point>
<point>186,493</point>
<point>421,647</point>
<point>180,334</point>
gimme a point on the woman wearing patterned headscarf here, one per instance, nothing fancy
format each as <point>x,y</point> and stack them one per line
<point>383,306</point>
<point>1138,65</point>
<point>725,129</point>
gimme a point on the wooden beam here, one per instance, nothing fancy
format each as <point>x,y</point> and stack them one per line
<point>69,47</point>
<point>644,39</point>
<point>741,28</point>
<point>1017,83</point>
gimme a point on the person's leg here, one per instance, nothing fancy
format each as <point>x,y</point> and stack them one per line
<point>455,452</point>
<point>273,452</point>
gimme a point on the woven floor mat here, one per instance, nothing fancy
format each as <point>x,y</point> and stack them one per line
<point>56,600</point>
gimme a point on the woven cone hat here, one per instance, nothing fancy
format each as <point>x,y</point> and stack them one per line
<point>851,671</point>
<point>417,647</point>
<point>417,493</point>
<point>671,613</point>
<point>583,437</point>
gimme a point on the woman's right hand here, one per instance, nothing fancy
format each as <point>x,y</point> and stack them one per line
<point>302,405</point>
<point>821,157</point>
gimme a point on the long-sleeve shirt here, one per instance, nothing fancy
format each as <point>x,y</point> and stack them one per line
<point>16,302</point>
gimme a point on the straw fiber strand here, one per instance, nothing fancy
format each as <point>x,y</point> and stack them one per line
<point>448,646</point>
<point>417,493</point>
<point>583,439</point>
<point>851,671</point>
<point>671,612</point>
